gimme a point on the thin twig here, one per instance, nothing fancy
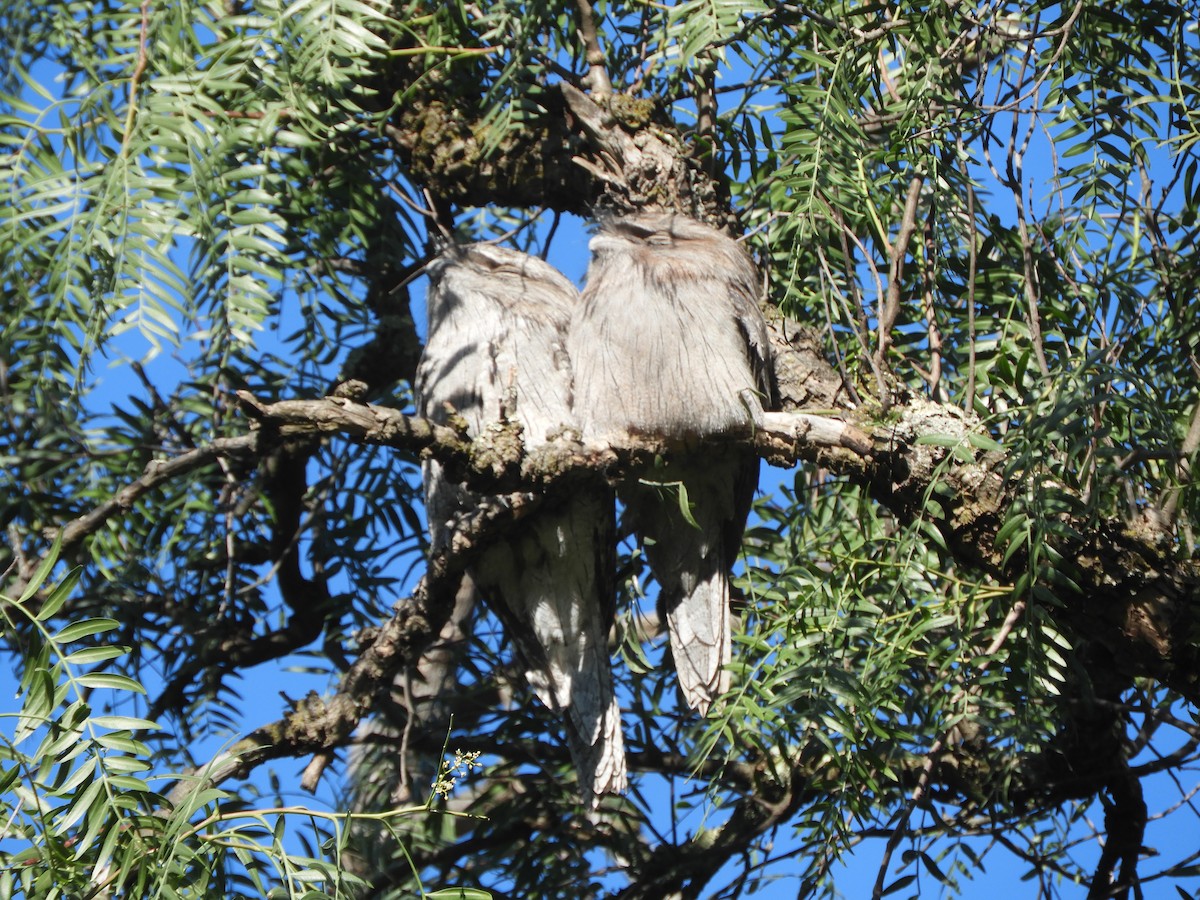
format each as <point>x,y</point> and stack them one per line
<point>597,80</point>
<point>135,80</point>
<point>896,255</point>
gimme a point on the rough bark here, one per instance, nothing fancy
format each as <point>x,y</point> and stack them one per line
<point>576,153</point>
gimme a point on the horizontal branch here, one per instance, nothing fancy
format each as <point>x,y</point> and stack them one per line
<point>1134,597</point>
<point>490,465</point>
<point>158,472</point>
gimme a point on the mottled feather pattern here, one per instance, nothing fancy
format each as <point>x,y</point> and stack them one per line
<point>497,328</point>
<point>669,341</point>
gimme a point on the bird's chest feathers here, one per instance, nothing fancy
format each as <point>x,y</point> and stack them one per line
<point>678,362</point>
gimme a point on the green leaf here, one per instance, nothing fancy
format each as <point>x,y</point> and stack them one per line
<point>685,506</point>
<point>124,722</point>
<point>89,655</point>
<point>983,442</point>
<point>110,680</point>
<point>45,567</point>
<point>899,884</point>
<point>87,628</point>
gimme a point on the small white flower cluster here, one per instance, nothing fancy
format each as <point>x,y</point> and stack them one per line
<point>451,771</point>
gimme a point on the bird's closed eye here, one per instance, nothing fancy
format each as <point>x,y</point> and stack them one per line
<point>652,236</point>
<point>499,267</point>
<point>642,233</point>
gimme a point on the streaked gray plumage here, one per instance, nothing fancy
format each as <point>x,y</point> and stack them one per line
<point>669,342</point>
<point>498,322</point>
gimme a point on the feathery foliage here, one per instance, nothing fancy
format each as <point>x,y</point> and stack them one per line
<point>976,642</point>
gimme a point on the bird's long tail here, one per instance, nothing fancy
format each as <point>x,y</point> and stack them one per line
<point>691,554</point>
<point>698,625</point>
<point>560,611</point>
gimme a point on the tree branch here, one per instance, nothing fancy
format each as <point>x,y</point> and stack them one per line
<point>156,473</point>
<point>1135,598</point>
<point>577,153</point>
<point>597,78</point>
<point>897,253</point>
